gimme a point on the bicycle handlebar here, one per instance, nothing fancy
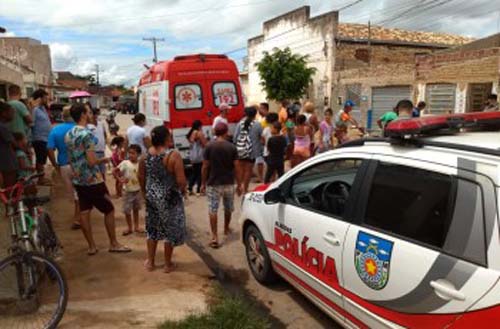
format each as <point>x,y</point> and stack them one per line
<point>15,191</point>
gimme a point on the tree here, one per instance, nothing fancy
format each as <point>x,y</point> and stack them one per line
<point>284,76</point>
<point>90,78</point>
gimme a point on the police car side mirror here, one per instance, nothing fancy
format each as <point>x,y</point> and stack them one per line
<point>274,196</point>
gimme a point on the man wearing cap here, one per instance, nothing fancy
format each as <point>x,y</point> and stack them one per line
<point>218,177</point>
<point>343,120</point>
<point>222,117</point>
<point>56,142</point>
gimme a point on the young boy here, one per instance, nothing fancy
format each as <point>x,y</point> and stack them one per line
<point>276,146</point>
<point>25,167</point>
<point>126,173</point>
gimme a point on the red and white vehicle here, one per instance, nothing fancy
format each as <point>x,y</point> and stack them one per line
<point>187,88</point>
<point>390,233</point>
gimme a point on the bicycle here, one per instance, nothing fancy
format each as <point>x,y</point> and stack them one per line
<point>33,289</point>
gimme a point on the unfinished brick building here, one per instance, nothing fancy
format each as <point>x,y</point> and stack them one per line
<point>459,80</point>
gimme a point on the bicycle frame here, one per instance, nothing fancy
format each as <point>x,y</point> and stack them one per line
<point>19,216</point>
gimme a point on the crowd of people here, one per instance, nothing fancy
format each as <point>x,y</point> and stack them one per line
<point>147,168</point>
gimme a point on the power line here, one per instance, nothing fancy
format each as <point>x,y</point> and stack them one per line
<point>290,30</point>
<point>133,18</point>
<point>349,5</point>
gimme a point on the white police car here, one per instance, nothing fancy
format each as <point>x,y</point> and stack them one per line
<point>389,233</point>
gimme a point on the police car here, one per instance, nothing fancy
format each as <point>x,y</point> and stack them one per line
<point>394,232</point>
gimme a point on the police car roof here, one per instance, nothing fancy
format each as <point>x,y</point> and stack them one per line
<point>487,140</point>
<point>479,142</point>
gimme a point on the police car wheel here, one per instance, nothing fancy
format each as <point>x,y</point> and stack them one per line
<point>258,256</point>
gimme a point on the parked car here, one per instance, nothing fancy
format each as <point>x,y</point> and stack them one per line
<point>389,232</point>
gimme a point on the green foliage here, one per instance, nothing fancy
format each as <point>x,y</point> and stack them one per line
<point>284,75</point>
<point>225,312</point>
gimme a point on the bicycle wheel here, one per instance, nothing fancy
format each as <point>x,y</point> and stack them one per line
<point>48,243</point>
<point>33,292</point>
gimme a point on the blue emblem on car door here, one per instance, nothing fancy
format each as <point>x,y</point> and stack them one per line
<point>372,259</point>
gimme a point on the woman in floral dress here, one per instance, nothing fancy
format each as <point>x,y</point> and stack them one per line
<point>163,183</point>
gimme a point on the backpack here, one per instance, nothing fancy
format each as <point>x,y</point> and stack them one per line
<point>196,152</point>
<point>244,142</point>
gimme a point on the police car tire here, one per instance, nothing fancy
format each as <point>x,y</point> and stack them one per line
<point>267,275</point>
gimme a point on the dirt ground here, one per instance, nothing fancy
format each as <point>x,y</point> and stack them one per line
<point>113,290</point>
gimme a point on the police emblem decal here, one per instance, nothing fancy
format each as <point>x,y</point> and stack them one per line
<point>372,259</point>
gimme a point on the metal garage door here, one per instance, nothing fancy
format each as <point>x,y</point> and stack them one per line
<point>440,98</point>
<point>385,99</point>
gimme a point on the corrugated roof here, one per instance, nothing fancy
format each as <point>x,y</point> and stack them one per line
<point>360,32</point>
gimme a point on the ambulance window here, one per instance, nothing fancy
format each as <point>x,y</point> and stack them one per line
<point>411,202</point>
<point>225,92</point>
<point>188,97</point>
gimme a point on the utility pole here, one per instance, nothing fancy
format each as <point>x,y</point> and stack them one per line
<point>97,74</point>
<point>369,43</point>
<point>154,40</point>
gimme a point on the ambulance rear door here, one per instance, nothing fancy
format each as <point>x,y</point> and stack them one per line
<point>154,103</point>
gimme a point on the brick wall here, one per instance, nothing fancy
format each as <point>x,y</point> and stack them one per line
<point>459,66</point>
<point>350,56</point>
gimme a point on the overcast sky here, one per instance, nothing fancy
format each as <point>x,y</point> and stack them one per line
<point>109,32</point>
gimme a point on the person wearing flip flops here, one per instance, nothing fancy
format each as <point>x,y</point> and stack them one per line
<point>163,184</point>
<point>127,174</point>
<point>88,180</point>
<point>219,173</point>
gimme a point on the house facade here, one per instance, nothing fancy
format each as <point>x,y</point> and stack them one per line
<point>371,65</point>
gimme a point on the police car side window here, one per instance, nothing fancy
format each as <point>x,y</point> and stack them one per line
<point>325,187</point>
<point>411,202</point>
<point>466,236</point>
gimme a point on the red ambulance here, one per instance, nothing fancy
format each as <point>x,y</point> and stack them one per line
<point>187,88</point>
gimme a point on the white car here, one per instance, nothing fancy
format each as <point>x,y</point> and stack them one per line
<point>382,234</point>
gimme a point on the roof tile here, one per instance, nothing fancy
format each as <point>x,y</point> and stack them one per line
<point>360,31</point>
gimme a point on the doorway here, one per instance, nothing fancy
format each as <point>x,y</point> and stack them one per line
<point>477,95</point>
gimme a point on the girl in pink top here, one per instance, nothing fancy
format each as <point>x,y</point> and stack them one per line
<point>117,156</point>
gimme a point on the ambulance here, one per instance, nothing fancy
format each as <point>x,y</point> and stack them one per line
<point>176,92</point>
<point>397,232</point>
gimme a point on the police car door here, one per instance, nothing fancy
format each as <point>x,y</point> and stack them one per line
<point>417,257</point>
<point>312,226</point>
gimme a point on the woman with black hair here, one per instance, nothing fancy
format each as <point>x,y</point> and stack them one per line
<point>163,183</point>
<point>197,142</point>
<point>247,137</point>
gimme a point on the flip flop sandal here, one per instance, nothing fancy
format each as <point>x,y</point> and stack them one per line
<point>92,252</point>
<point>75,226</point>
<point>125,233</point>
<point>168,269</point>
<point>214,244</point>
<point>148,266</point>
<point>120,250</point>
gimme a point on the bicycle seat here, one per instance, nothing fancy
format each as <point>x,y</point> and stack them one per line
<point>31,201</point>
